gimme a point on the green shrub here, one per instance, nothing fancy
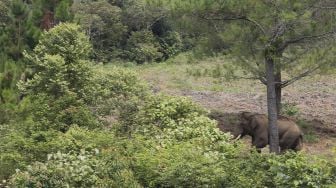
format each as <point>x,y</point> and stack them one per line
<point>184,148</point>
<point>102,22</point>
<point>58,114</point>
<point>207,47</point>
<point>84,169</point>
<point>170,120</point>
<point>20,147</point>
<point>296,170</point>
<point>7,111</point>
<point>181,165</point>
<point>120,83</point>
<point>171,44</point>
<point>37,129</point>
<point>288,170</point>
<point>10,73</point>
<point>66,40</point>
<point>59,63</point>
<point>117,95</point>
<point>164,111</point>
<point>9,162</point>
<point>290,109</point>
<point>143,47</point>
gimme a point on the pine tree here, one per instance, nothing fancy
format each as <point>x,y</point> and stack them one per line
<point>62,11</point>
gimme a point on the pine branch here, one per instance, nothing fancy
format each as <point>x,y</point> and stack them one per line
<point>304,38</point>
<point>302,75</point>
<point>289,60</point>
<point>233,18</point>
<point>324,7</point>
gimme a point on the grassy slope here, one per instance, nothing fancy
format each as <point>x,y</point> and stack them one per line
<point>177,75</point>
<point>193,76</point>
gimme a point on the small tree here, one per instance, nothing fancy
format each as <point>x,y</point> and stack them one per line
<point>268,37</point>
<point>59,62</point>
<point>59,88</point>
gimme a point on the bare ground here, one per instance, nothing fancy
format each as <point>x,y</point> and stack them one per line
<point>315,107</point>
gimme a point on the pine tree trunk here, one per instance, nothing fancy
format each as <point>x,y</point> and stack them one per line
<point>272,106</point>
<point>278,99</point>
<point>278,91</point>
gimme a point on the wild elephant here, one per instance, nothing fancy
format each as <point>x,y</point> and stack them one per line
<point>256,125</point>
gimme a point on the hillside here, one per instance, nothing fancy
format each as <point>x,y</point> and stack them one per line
<point>311,100</point>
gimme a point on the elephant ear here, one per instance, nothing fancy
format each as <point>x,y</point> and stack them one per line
<point>247,115</point>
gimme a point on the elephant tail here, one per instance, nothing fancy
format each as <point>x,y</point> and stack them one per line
<point>299,143</point>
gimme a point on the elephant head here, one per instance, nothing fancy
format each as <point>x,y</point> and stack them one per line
<point>245,127</point>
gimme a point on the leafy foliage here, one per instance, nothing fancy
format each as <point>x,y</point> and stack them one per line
<point>171,44</point>
<point>23,147</point>
<point>75,170</point>
<point>66,40</point>
<point>181,165</point>
<point>143,47</point>
<point>58,114</point>
<point>102,23</point>
<point>59,62</point>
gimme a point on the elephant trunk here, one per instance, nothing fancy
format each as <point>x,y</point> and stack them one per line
<point>299,143</point>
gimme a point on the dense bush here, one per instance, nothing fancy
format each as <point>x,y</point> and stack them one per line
<point>116,82</point>
<point>143,47</point>
<point>20,148</point>
<point>163,111</point>
<point>84,169</point>
<point>101,21</point>
<point>296,170</point>
<point>117,95</point>
<point>288,170</point>
<point>181,148</point>
<point>56,93</point>
<point>60,114</point>
<point>10,73</point>
<point>171,44</point>
<point>181,165</point>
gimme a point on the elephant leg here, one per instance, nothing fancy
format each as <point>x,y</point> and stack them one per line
<point>286,142</point>
<point>290,142</point>
<point>297,145</point>
<point>284,146</point>
<point>258,143</point>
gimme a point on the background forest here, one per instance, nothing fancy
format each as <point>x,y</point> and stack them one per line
<point>76,111</point>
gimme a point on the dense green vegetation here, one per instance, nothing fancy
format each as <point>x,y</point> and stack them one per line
<point>68,121</point>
